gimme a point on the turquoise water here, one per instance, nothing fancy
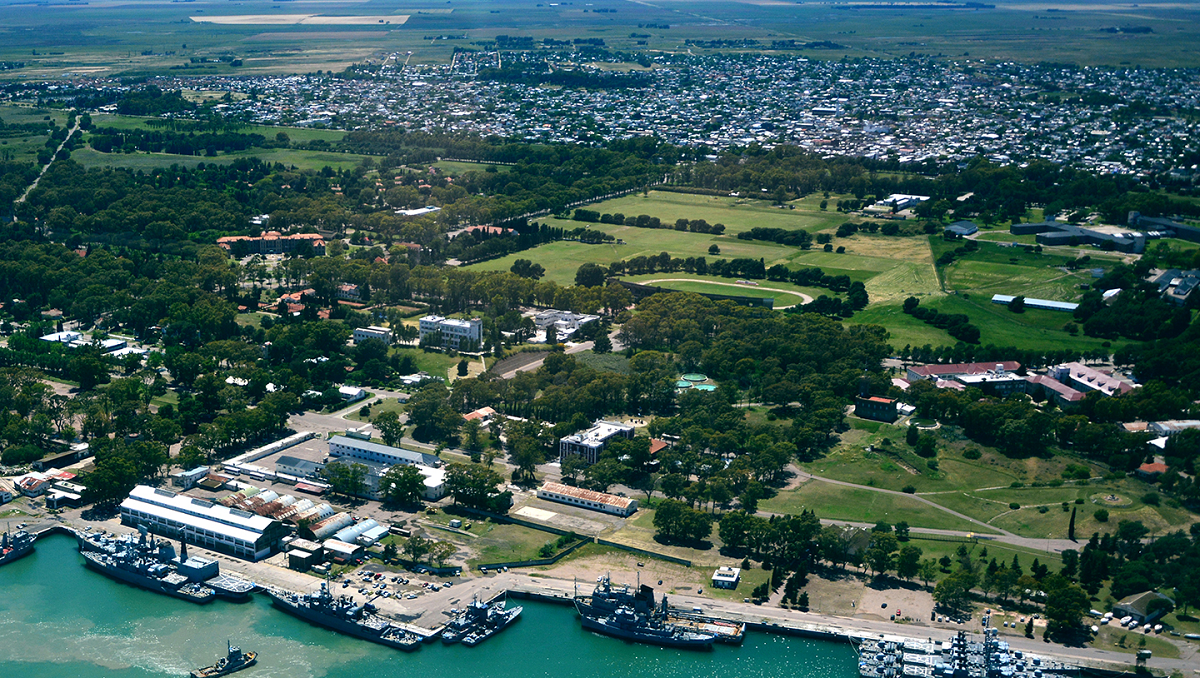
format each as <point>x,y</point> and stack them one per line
<point>61,620</point>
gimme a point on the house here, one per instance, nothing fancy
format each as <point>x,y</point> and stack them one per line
<point>32,484</point>
<point>1064,396</point>
<point>186,480</point>
<point>875,408</point>
<point>362,334</point>
<point>1150,472</point>
<point>564,323</point>
<point>351,393</point>
<point>6,491</point>
<point>484,415</point>
<point>726,577</point>
<point>450,332</point>
<point>596,501</point>
<point>349,292</point>
<point>590,443</point>
<point>1138,606</point>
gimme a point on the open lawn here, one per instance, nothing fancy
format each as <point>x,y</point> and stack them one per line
<point>837,502</point>
<point>738,214</point>
<point>610,362</point>
<point>433,362</point>
<point>312,160</point>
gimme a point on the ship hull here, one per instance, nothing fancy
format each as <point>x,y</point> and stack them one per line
<point>16,554</point>
<point>510,617</point>
<point>599,626</point>
<point>340,625</point>
<point>248,660</point>
<point>147,583</point>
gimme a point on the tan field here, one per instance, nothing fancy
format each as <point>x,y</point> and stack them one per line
<point>294,19</point>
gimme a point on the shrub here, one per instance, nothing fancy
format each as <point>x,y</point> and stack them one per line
<point>1101,515</point>
<point>1043,509</point>
<point>1150,499</point>
<point>909,489</point>
<point>23,454</point>
<point>1079,500</point>
<point>1014,506</point>
<point>932,464</point>
<point>1017,483</point>
<point>972,453</point>
<point>1076,472</point>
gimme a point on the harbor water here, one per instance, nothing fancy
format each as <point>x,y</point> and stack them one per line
<point>59,619</point>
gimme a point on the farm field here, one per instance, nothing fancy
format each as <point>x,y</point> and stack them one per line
<point>95,38</point>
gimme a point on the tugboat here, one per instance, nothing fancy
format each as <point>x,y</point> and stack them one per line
<point>234,660</point>
<point>479,622</point>
<point>342,614</point>
<point>15,545</point>
<point>142,563</point>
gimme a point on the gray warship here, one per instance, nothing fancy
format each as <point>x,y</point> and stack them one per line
<point>478,622</point>
<point>344,615</point>
<point>15,545</point>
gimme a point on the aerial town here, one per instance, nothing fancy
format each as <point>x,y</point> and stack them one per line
<point>379,339</point>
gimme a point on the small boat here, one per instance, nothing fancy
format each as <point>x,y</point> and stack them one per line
<point>234,660</point>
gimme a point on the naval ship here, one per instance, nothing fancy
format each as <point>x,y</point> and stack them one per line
<point>478,622</point>
<point>142,563</point>
<point>15,545</point>
<point>607,600</point>
<point>197,570</point>
<point>344,615</point>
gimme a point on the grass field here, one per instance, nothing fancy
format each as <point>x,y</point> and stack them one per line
<point>715,285</point>
<point>455,168</point>
<point>866,506</point>
<point>296,134</point>
<point>311,160</point>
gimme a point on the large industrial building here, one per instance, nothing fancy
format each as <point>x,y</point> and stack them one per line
<point>202,522</point>
<point>1055,233</point>
<point>590,443</point>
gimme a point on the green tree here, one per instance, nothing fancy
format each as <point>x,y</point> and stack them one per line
<point>908,562</point>
<point>1065,607</point>
<point>927,571</point>
<point>390,428</point>
<point>602,344</point>
<point>954,591</point>
<point>416,547</point>
<point>346,478</point>
<point>402,485</point>
<point>879,555</point>
<point>590,275</point>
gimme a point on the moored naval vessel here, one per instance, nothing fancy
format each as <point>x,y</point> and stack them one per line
<point>142,563</point>
<point>234,660</point>
<point>14,545</point>
<point>344,615</point>
<point>612,603</point>
<point>479,621</point>
<point>195,569</point>
<point>959,657</point>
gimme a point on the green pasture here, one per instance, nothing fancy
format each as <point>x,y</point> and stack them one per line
<point>455,168</point>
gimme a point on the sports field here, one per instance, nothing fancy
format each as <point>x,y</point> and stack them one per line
<point>784,294</point>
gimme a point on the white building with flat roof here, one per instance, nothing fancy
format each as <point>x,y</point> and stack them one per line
<point>453,333</point>
<point>362,334</point>
<point>365,450</point>
<point>201,522</point>
<point>590,443</point>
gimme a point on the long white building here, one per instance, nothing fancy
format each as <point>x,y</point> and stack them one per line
<point>202,522</point>
<point>364,450</point>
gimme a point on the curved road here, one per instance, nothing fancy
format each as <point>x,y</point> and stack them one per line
<point>807,299</point>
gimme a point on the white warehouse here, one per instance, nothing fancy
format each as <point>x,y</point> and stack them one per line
<point>202,522</point>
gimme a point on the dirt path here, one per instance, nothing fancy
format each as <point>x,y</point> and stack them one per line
<point>807,299</point>
<point>32,186</point>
